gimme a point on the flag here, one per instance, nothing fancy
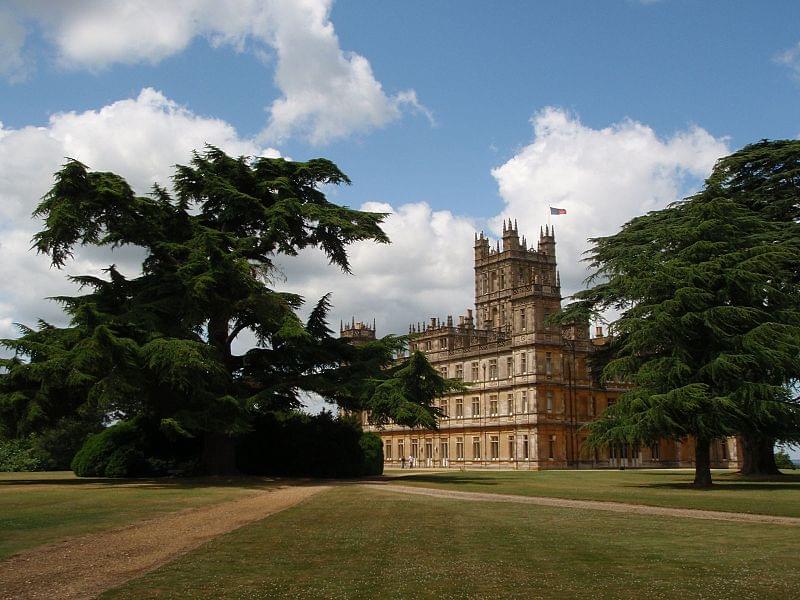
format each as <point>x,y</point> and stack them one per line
<point>558,211</point>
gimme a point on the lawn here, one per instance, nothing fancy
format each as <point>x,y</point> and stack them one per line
<point>353,542</point>
<point>38,508</point>
<point>672,488</point>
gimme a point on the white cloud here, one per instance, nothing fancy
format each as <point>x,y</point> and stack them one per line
<point>326,92</point>
<point>602,177</point>
<point>140,138</point>
<point>426,271</point>
<point>791,58</point>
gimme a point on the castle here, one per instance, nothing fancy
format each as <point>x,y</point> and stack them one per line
<point>530,384</point>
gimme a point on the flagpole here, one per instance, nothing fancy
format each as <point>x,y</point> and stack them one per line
<point>549,214</point>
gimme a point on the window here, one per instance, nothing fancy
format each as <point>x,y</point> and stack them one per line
<point>444,405</point>
<point>387,451</point>
<point>495,442</point>
<point>476,406</point>
<point>502,280</point>
<point>415,448</point>
<point>428,345</point>
<point>611,401</point>
<point>485,283</point>
<point>428,449</point>
<point>493,405</point>
<point>510,404</point>
<point>493,368</point>
<point>444,449</point>
<point>523,362</point>
<point>474,372</point>
<point>459,408</point>
<point>545,320</point>
<point>549,401</point>
<point>443,372</point>
<point>525,449</point>
<point>509,367</point>
<point>524,401</point>
<point>459,448</point>
<point>460,371</point>
<point>443,343</point>
<point>552,447</point>
<point>476,448</point>
<point>401,449</point>
<point>523,324</point>
<point>591,406</point>
<point>548,364</point>
<point>655,451</point>
<point>512,452</point>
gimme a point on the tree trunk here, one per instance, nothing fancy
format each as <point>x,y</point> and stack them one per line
<point>758,455</point>
<point>702,463</point>
<point>219,454</point>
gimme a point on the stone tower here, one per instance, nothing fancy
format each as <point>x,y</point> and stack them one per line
<point>515,284</point>
<point>356,332</point>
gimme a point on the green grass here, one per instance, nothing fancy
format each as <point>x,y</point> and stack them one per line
<point>671,488</point>
<point>354,542</point>
<point>39,508</point>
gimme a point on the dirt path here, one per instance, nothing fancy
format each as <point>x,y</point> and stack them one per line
<point>85,566</point>
<point>637,509</point>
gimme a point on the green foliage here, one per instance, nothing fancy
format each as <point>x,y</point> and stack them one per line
<point>19,455</point>
<point>709,302</point>
<point>160,345</point>
<point>111,453</point>
<point>409,392</point>
<point>55,447</point>
<point>784,461</point>
<point>372,449</point>
<point>299,445</point>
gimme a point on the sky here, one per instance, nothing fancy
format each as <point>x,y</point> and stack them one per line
<point>449,115</point>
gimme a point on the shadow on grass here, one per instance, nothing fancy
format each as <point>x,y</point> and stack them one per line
<point>452,479</point>
<point>739,486</point>
<point>175,483</point>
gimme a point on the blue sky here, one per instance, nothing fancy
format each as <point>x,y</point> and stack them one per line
<point>449,115</point>
<point>483,69</point>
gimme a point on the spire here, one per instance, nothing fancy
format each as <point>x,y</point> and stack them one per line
<point>515,225</point>
<point>373,324</point>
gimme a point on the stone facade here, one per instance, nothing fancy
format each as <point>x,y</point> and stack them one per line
<point>530,384</point>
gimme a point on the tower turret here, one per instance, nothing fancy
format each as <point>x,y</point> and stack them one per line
<point>547,240</point>
<point>510,236</point>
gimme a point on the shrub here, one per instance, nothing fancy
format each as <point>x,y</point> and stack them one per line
<point>372,448</point>
<point>18,455</point>
<point>120,443</point>
<point>783,460</point>
<point>297,445</point>
<point>55,448</point>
